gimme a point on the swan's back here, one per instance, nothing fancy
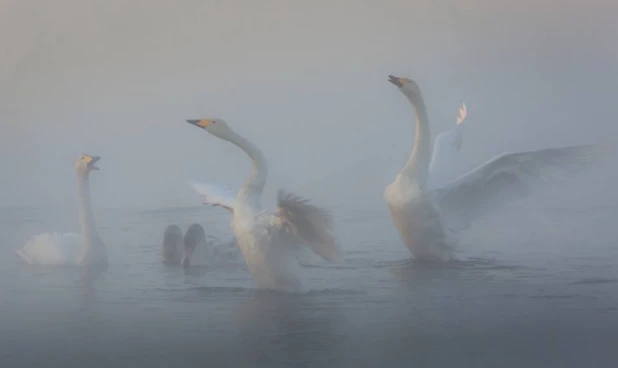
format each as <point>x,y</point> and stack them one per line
<point>51,249</point>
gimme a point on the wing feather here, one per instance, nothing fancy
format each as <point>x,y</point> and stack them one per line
<point>215,194</point>
<point>307,223</point>
<point>508,177</point>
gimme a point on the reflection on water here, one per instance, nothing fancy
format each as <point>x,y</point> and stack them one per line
<point>511,300</point>
<point>281,329</point>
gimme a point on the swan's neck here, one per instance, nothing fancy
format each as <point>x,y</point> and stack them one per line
<point>251,190</point>
<point>86,219</point>
<point>417,167</point>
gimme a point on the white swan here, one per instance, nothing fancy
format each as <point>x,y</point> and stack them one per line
<point>269,241</point>
<point>86,249</point>
<point>446,147</point>
<point>428,219</point>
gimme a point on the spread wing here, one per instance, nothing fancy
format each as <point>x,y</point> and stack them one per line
<point>509,177</point>
<point>215,194</point>
<point>307,224</point>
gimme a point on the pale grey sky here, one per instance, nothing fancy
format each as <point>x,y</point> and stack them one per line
<point>305,81</point>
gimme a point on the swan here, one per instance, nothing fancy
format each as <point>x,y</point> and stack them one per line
<point>86,249</point>
<point>172,238</point>
<point>215,252</point>
<point>269,241</point>
<point>210,250</point>
<point>429,219</point>
<point>446,147</point>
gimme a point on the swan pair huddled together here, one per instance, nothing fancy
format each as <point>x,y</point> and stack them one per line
<point>194,238</point>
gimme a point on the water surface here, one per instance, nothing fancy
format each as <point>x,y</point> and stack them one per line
<point>531,288</point>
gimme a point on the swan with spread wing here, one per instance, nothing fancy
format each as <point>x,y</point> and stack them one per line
<point>429,218</point>
<point>85,249</point>
<point>269,241</point>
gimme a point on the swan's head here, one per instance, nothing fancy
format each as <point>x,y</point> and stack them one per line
<point>86,163</point>
<point>408,87</point>
<point>172,238</point>
<point>216,127</point>
<point>195,235</point>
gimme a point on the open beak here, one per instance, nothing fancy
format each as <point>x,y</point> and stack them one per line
<point>91,164</point>
<point>394,80</point>
<point>200,123</point>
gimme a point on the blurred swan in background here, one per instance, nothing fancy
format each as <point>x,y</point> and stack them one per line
<point>269,242</point>
<point>85,249</point>
<point>429,218</point>
<point>195,248</point>
<point>172,240</point>
<point>210,250</point>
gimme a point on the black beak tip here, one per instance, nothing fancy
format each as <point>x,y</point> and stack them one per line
<point>192,121</point>
<point>394,80</point>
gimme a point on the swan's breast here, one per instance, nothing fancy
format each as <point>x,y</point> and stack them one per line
<point>420,225</point>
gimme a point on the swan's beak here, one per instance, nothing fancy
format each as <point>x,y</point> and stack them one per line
<point>91,161</point>
<point>200,123</point>
<point>396,81</point>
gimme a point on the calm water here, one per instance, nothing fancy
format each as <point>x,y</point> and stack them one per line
<point>532,288</point>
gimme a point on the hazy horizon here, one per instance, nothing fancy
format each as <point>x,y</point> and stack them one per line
<point>305,82</point>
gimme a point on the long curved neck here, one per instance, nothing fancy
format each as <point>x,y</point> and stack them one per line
<point>417,167</point>
<point>251,190</point>
<point>86,218</point>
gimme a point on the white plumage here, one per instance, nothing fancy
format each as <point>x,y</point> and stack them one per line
<point>53,249</point>
<point>85,249</point>
<point>446,148</point>
<point>269,241</point>
<point>428,217</point>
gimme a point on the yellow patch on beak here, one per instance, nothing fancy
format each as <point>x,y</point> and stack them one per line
<point>204,123</point>
<point>87,159</point>
<point>403,81</point>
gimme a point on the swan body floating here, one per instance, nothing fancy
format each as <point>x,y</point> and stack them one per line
<point>429,218</point>
<point>269,241</point>
<point>446,148</point>
<point>85,249</point>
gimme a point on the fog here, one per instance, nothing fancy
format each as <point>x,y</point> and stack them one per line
<point>305,82</point>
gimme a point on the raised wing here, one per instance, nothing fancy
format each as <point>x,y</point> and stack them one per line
<point>463,112</point>
<point>508,177</point>
<point>446,148</point>
<point>215,194</point>
<point>308,224</point>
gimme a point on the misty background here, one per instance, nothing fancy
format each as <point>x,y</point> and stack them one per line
<point>306,82</point>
